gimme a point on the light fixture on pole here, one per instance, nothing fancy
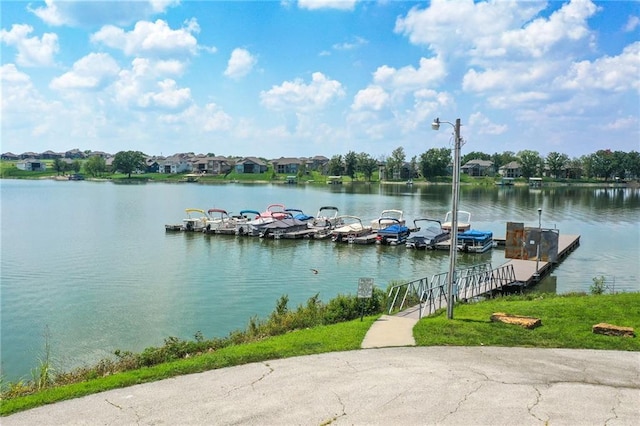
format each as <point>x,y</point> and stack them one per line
<point>455,195</point>
<point>539,239</point>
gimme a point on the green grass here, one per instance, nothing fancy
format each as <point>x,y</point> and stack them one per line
<point>566,323</point>
<point>339,337</point>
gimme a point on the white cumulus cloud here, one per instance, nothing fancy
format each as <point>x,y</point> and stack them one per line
<point>372,97</point>
<point>154,39</point>
<point>297,95</point>
<point>91,72</point>
<point>32,51</point>
<point>327,4</point>
<point>240,63</point>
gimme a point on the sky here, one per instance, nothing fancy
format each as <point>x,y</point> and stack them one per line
<point>319,77</point>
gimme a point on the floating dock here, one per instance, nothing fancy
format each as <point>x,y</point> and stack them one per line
<point>525,270</point>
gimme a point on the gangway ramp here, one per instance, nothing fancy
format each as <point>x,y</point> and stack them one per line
<point>423,297</point>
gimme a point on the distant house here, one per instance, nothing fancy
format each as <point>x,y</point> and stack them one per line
<point>74,153</point>
<point>511,170</point>
<point>31,165</point>
<point>211,165</point>
<point>50,155</point>
<point>317,163</point>
<point>288,166</point>
<point>179,163</point>
<point>29,155</point>
<point>251,165</point>
<point>10,156</point>
<point>152,165</point>
<point>478,168</point>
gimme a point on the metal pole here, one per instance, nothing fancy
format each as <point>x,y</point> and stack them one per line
<point>455,193</point>
<point>539,238</point>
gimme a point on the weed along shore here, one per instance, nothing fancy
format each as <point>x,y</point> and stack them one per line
<point>566,321</point>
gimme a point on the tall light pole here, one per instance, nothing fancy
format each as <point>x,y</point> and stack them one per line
<point>539,239</point>
<point>455,195</point>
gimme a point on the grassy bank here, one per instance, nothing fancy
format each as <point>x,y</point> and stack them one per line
<point>566,323</point>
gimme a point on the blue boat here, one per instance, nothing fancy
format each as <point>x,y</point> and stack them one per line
<point>474,241</point>
<point>393,234</point>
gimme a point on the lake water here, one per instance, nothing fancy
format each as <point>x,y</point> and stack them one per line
<point>90,264</point>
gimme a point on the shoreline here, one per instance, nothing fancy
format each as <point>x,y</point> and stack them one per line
<point>629,184</point>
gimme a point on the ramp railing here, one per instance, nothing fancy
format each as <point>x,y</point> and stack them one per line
<point>431,295</point>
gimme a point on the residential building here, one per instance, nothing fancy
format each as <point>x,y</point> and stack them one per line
<point>251,165</point>
<point>511,170</point>
<point>478,168</point>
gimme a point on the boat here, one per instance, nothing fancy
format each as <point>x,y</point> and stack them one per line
<point>387,218</point>
<point>474,241</point>
<point>299,214</point>
<point>272,213</point>
<point>220,222</point>
<point>284,225</point>
<point>325,220</point>
<point>351,227</point>
<point>426,234</point>
<point>244,219</point>
<point>393,235</point>
<point>464,221</point>
<point>196,220</point>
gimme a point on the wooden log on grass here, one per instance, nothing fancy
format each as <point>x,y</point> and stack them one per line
<point>522,321</point>
<point>613,330</point>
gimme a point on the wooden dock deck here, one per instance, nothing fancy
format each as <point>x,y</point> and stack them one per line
<point>525,270</point>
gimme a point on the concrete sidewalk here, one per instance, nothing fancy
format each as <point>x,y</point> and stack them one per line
<point>392,384</point>
<point>404,385</point>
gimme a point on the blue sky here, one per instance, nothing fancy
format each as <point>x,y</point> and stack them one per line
<point>319,77</point>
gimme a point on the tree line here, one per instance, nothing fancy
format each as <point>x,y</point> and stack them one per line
<point>602,164</point>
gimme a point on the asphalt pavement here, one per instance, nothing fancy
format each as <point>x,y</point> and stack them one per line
<point>388,386</point>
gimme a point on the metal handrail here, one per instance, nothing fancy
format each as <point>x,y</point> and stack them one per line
<point>468,283</point>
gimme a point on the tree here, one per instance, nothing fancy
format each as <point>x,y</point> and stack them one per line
<point>529,163</point>
<point>574,168</point>
<point>128,162</point>
<point>434,162</point>
<point>633,164</point>
<point>350,164</point>
<point>335,166</point>
<point>413,167</point>
<point>619,164</point>
<point>367,165</point>
<point>95,165</point>
<point>59,166</point>
<point>556,162</point>
<point>602,163</point>
<point>395,162</point>
<point>76,166</point>
<point>500,160</point>
<point>587,165</point>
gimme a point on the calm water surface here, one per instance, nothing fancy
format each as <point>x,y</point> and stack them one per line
<point>89,263</point>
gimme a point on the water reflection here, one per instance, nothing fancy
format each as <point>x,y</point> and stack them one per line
<point>103,274</point>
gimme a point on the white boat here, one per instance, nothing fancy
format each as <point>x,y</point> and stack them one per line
<point>326,220</point>
<point>474,241</point>
<point>351,227</point>
<point>196,220</point>
<point>244,219</point>
<point>220,222</point>
<point>388,218</point>
<point>464,221</point>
